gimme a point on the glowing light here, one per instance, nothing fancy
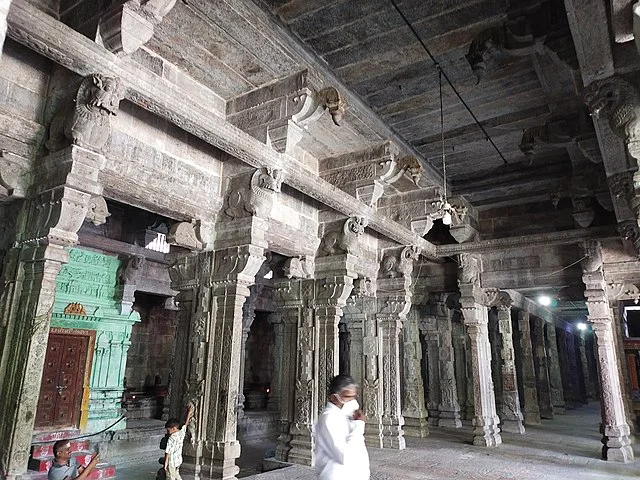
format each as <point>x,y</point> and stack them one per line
<point>446,218</point>
<point>581,326</point>
<point>544,300</point>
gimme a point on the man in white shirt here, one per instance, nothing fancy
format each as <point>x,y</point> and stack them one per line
<point>340,450</point>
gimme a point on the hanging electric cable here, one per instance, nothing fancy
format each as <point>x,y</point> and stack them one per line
<point>443,73</point>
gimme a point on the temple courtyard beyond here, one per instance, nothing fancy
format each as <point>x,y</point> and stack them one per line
<point>219,205</point>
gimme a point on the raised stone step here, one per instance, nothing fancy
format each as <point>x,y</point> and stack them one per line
<point>46,450</point>
<point>42,464</point>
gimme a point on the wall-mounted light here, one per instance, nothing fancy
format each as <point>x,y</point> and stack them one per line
<point>544,300</point>
<point>581,326</point>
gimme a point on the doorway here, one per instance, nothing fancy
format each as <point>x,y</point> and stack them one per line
<point>62,387</point>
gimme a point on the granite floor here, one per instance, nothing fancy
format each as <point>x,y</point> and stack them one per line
<point>567,447</point>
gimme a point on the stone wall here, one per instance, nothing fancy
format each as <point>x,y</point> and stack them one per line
<point>152,343</point>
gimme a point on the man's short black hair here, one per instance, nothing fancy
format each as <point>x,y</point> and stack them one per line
<point>340,382</point>
<point>172,422</point>
<point>59,445</point>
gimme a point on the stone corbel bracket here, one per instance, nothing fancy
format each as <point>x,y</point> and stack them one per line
<point>14,175</point>
<point>258,200</point>
<point>328,99</point>
<point>399,264</point>
<point>623,291</point>
<point>126,27</point>
<point>497,298</point>
<point>183,234</point>
<point>345,240</point>
<point>98,211</point>
<point>299,267</point>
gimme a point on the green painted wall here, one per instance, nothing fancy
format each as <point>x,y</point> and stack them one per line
<point>91,279</point>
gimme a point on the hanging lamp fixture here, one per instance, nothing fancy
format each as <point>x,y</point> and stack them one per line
<point>446,209</point>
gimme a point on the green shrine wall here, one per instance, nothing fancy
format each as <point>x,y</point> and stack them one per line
<point>88,297</point>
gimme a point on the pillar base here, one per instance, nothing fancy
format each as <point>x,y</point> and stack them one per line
<point>547,414</point>
<point>450,419</point>
<point>559,409</point>
<point>434,416</point>
<point>415,427</point>
<point>617,444</point>
<point>393,434</point>
<point>486,432</point>
<point>301,451</point>
<point>512,426</point>
<point>618,454</point>
<point>284,443</point>
<point>532,418</point>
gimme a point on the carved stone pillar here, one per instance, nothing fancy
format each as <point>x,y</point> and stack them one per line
<point>563,360</point>
<point>344,357</point>
<point>277,385</point>
<point>449,407</point>
<point>485,421</point>
<point>248,316</point>
<point>429,330</point>
<point>469,407</point>
<point>394,302</point>
<point>575,374</point>
<point>531,406</point>
<point>586,374</point>
<point>413,411</point>
<point>459,347</point>
<point>542,371</point>
<point>4,11</point>
<point>555,377</point>
<point>510,414</point>
<point>225,276</point>
<point>496,360</point>
<point>65,183</point>
<point>288,296</point>
<point>355,325</point>
<point>615,430</point>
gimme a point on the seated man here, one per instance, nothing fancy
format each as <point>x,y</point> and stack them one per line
<point>64,467</point>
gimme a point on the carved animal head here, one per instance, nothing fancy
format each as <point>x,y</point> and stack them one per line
<point>629,230</point>
<point>603,97</point>
<point>101,94</point>
<point>334,103</point>
<point>388,266</point>
<point>355,226</point>
<point>269,178</point>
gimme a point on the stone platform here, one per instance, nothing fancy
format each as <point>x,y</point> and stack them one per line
<point>567,448</point>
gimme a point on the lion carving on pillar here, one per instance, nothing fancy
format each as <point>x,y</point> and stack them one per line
<point>345,240</point>
<point>618,101</point>
<point>258,201</point>
<point>88,124</point>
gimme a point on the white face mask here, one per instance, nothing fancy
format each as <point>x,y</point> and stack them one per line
<point>350,407</point>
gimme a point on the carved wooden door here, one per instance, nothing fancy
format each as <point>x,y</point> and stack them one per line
<point>62,381</point>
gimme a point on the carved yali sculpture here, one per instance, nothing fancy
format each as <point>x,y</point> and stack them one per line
<point>89,123</point>
<point>98,212</point>
<point>346,240</point>
<point>183,234</point>
<point>258,200</point>
<point>331,99</point>
<point>393,266</point>
<point>130,273</point>
<point>618,101</point>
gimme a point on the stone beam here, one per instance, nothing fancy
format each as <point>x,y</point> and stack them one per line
<point>543,239</point>
<point>590,32</point>
<point>528,305</point>
<point>56,41</point>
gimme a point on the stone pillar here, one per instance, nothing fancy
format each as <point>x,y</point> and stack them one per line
<point>65,182</point>
<point>485,421</point>
<point>555,377</point>
<point>344,357</point>
<point>429,329</point>
<point>449,408</point>
<point>288,295</point>
<point>542,372</point>
<point>496,361</point>
<point>563,360</point>
<point>511,416</point>
<point>469,407</point>
<point>586,374</point>
<point>248,316</point>
<point>277,385</point>
<point>531,406</point>
<point>459,348</point>
<point>615,430</point>
<point>575,374</point>
<point>414,411</point>
<point>394,302</point>
<point>355,325</point>
<point>4,11</point>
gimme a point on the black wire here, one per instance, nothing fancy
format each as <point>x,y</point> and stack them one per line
<point>87,435</point>
<point>437,65</point>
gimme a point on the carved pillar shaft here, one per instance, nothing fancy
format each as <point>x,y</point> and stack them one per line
<point>372,393</point>
<point>555,377</point>
<point>575,373</point>
<point>584,362</point>
<point>531,406</point>
<point>459,347</point>
<point>390,327</point>
<point>355,324</point>
<point>277,385</point>
<point>496,360</point>
<point>432,340</point>
<point>469,407</point>
<point>614,428</point>
<point>414,411</point>
<point>290,320</point>
<point>542,369</point>
<point>449,407</point>
<point>511,416</point>
<point>327,319</point>
<point>563,361</point>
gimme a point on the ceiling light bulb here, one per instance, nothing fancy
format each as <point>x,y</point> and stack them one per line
<point>544,300</point>
<point>581,326</point>
<point>446,218</point>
